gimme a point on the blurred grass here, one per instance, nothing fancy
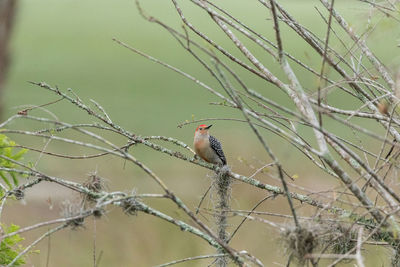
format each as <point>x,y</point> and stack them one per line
<point>68,43</point>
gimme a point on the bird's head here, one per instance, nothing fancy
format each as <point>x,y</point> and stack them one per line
<point>202,129</point>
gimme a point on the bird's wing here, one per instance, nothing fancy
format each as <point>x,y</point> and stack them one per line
<point>217,147</point>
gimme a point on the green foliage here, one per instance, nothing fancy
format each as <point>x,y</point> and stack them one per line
<point>10,247</point>
<point>7,149</point>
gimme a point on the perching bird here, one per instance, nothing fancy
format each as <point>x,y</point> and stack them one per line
<point>208,147</point>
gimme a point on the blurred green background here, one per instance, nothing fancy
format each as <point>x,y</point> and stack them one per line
<point>68,43</point>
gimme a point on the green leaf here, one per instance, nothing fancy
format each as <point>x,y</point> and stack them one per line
<point>9,150</point>
<point>19,154</point>
<point>10,247</point>
<point>14,177</point>
<point>5,179</point>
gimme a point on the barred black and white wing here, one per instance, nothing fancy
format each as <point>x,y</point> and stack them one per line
<point>217,147</point>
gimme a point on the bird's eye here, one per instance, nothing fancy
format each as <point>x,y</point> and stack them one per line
<point>200,128</point>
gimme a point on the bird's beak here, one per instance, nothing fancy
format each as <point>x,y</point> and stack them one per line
<point>208,127</point>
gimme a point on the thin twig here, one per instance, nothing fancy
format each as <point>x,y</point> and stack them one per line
<point>52,231</point>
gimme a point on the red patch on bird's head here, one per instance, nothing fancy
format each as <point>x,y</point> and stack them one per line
<point>201,126</point>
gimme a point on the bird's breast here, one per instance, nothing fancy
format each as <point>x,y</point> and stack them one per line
<point>201,146</point>
<point>200,143</point>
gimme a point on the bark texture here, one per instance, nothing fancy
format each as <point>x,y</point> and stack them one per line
<point>7,14</point>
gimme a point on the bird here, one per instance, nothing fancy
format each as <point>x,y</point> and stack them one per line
<point>207,146</point>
